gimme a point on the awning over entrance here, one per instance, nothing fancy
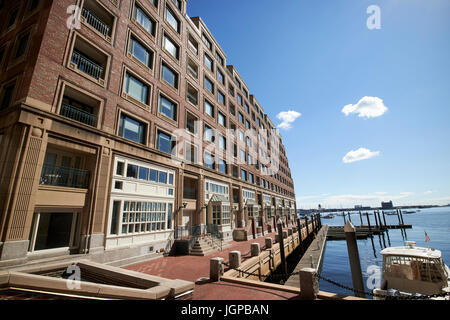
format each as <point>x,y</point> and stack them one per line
<point>219,199</point>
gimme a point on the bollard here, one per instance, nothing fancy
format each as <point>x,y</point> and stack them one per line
<point>277,238</point>
<point>255,249</point>
<point>268,243</point>
<point>282,253</point>
<point>309,284</point>
<point>285,234</point>
<point>235,259</point>
<point>353,255</point>
<point>216,269</point>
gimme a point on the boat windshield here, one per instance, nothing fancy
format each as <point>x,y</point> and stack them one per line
<point>415,268</point>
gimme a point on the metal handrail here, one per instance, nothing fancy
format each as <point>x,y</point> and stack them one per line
<point>86,65</point>
<point>96,22</point>
<point>77,114</point>
<point>64,177</point>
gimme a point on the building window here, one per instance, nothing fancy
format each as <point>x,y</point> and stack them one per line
<point>172,20</point>
<point>222,142</point>
<point>208,62</point>
<point>220,59</point>
<point>136,89</point>
<point>209,109</point>
<point>242,154</point>
<point>132,129</point>
<point>193,44</point>
<point>169,76</point>
<point>221,119</point>
<point>144,217</point>
<point>221,97</point>
<point>243,175</point>
<point>223,166</point>
<point>191,123</point>
<point>209,85</point>
<point>22,44</point>
<point>220,77</point>
<point>206,41</point>
<point>241,118</point>
<point>247,124</point>
<point>190,153</point>
<point>232,110</point>
<point>141,52</point>
<point>171,47</point>
<point>12,17</point>
<point>209,161</point>
<point>239,98</point>
<point>7,95</point>
<point>192,68</point>
<point>191,94</point>
<point>167,108</point>
<point>144,20</point>
<point>208,134</point>
<point>231,90</point>
<point>165,143</point>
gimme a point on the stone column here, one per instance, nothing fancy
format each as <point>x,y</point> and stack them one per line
<point>20,181</point>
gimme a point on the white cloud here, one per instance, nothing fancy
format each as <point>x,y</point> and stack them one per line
<point>287,118</point>
<point>368,107</point>
<point>360,154</point>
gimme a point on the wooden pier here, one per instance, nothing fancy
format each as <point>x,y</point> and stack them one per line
<point>362,232</point>
<point>312,258</point>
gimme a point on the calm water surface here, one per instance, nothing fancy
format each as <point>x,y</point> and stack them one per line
<point>336,266</point>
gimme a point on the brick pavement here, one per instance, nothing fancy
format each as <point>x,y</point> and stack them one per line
<point>191,268</point>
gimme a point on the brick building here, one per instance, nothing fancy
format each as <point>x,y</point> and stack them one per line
<point>122,129</point>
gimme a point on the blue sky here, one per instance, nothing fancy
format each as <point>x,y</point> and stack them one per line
<point>315,57</point>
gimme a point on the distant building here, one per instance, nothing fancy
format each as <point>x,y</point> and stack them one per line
<point>360,207</point>
<point>387,205</point>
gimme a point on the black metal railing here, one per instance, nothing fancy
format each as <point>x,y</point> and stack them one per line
<point>79,115</point>
<point>64,177</point>
<point>86,65</point>
<point>96,22</point>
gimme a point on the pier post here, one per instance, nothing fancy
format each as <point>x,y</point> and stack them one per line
<point>345,220</point>
<point>309,284</point>
<point>268,243</point>
<point>376,220</point>
<point>255,249</point>
<point>300,234</point>
<point>368,222</point>
<point>401,217</point>
<point>398,217</point>
<point>307,227</point>
<point>360,218</point>
<point>349,217</point>
<point>282,253</point>
<point>216,269</point>
<point>353,255</point>
<point>384,219</point>
<point>253,228</point>
<point>235,259</point>
<point>379,219</point>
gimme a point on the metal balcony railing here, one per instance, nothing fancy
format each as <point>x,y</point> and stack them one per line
<point>192,71</point>
<point>78,115</point>
<point>86,65</point>
<point>96,22</point>
<point>192,98</point>
<point>64,177</point>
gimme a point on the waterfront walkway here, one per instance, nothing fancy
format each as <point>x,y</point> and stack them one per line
<point>192,268</point>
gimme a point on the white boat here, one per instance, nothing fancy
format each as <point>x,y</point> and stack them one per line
<point>412,270</point>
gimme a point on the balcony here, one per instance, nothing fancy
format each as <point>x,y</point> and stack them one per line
<point>77,114</point>
<point>96,23</point>
<point>89,67</point>
<point>64,177</point>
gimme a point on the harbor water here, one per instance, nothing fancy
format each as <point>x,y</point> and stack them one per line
<point>435,222</point>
